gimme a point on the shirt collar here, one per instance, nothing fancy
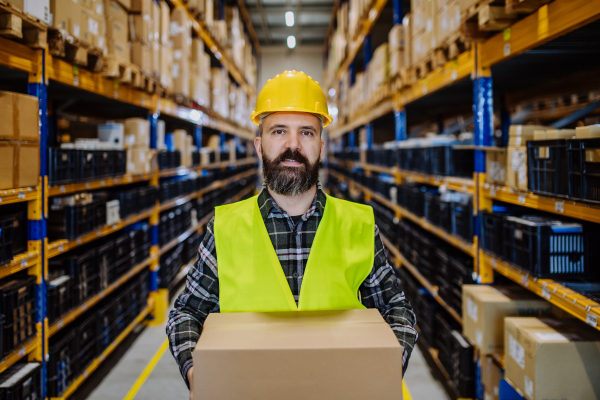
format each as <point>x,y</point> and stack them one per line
<point>267,204</point>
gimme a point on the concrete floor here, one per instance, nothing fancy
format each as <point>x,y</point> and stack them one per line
<point>165,381</point>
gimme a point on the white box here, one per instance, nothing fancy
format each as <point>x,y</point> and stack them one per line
<point>113,134</point>
<point>113,212</point>
<point>40,9</point>
<point>160,135</point>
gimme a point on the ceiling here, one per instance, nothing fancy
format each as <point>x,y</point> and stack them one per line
<point>311,20</point>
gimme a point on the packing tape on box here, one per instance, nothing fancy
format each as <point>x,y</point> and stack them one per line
<point>16,124</point>
<point>592,155</point>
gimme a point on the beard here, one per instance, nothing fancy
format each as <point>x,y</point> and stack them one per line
<point>290,181</point>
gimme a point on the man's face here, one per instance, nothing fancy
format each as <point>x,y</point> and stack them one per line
<point>290,147</point>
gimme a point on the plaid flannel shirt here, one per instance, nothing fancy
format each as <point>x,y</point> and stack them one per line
<point>292,243</point>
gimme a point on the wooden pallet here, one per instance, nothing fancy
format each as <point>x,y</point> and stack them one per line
<point>425,66</point>
<point>524,6</point>
<point>408,76</point>
<point>61,44</point>
<point>450,49</point>
<point>181,99</point>
<point>17,25</point>
<point>116,69</point>
<point>483,19</point>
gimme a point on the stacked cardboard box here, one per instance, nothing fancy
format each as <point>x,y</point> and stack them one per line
<point>137,143</point>
<point>117,32</point>
<point>142,34</point>
<point>19,140</point>
<point>396,49</point>
<point>424,29</point>
<point>181,37</point>
<point>220,91</point>
<point>446,20</point>
<point>552,358</point>
<point>378,69</point>
<point>83,20</point>
<point>516,162</point>
<point>183,143</point>
<point>165,46</point>
<point>491,374</point>
<point>199,73</point>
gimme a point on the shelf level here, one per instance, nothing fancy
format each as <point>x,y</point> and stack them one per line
<point>570,301</point>
<point>59,190</point>
<point>568,208</point>
<point>9,196</point>
<point>19,263</point>
<point>401,261</point>
<point>180,171</point>
<point>548,22</point>
<point>63,245</point>
<point>96,363</point>
<point>20,57</point>
<point>459,243</point>
<point>76,312</point>
<point>19,353</point>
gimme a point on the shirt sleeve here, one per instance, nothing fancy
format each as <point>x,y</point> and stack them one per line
<point>381,290</point>
<point>199,298</point>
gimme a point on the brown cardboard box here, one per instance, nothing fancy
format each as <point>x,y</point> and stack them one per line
<point>91,27</point>
<point>114,11</point>
<point>165,20</point>
<point>116,30</point>
<point>121,51</point>
<point>552,134</point>
<point>179,140</point>
<point>155,59</point>
<point>66,14</point>
<point>180,29</point>
<point>396,38</point>
<point>484,309</point>
<point>298,355</point>
<point>141,55</point>
<point>197,50</point>
<point>126,4</point>
<point>139,160</point>
<point>587,132</point>
<point>137,133</point>
<point>141,6</point>
<point>496,166</point>
<point>465,4</point>
<point>165,64</point>
<point>516,174</point>
<point>180,73</point>
<point>155,22</point>
<point>491,373</point>
<point>19,164</point>
<point>88,4</point>
<point>552,358</point>
<point>19,114</point>
<point>142,27</point>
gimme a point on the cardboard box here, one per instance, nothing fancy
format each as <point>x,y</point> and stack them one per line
<point>516,174</point>
<point>496,166</point>
<point>66,14</point>
<point>180,72</point>
<point>465,4</point>
<point>139,161</point>
<point>137,133</point>
<point>141,56</point>
<point>155,59</point>
<point>19,164</point>
<point>114,11</point>
<point>484,310</point>
<point>88,4</point>
<point>91,27</point>
<point>525,130</point>
<point>197,50</point>
<point>141,6</point>
<point>587,132</point>
<point>155,21</point>
<point>126,4</point>
<point>180,140</point>
<point>552,359</point>
<point>117,31</point>
<point>165,64</point>
<point>298,355</point>
<point>553,134</point>
<point>142,27</point>
<point>19,114</point>
<point>165,20</point>
<point>180,30</point>
<point>491,373</point>
<point>396,38</point>
<point>118,50</point>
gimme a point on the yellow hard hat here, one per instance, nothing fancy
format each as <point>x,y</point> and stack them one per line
<point>292,91</point>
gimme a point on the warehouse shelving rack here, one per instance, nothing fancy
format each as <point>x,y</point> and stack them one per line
<point>550,22</point>
<point>40,69</point>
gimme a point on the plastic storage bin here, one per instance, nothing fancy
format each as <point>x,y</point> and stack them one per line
<point>584,169</point>
<point>547,167</point>
<point>61,363</point>
<point>22,381</point>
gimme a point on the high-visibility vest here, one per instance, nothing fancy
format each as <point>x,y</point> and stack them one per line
<point>251,278</point>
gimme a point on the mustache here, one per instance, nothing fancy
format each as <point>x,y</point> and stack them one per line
<point>290,154</point>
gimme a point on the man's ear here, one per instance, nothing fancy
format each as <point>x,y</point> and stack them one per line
<point>257,142</point>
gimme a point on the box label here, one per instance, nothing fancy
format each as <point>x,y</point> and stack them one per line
<point>479,337</point>
<point>528,387</point>
<point>516,351</point>
<point>592,320</point>
<point>472,310</point>
<point>551,336</point>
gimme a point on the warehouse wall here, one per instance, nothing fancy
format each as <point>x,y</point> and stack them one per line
<point>276,59</point>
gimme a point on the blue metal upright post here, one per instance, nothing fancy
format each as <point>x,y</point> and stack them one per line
<point>398,12</point>
<point>221,9</point>
<point>370,138</point>
<point>36,218</point>
<point>153,120</point>
<point>198,136</point>
<point>367,49</point>
<point>352,139</point>
<point>222,140</point>
<point>483,109</point>
<point>352,74</point>
<point>400,125</point>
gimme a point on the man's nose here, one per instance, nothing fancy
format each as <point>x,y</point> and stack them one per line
<point>293,141</point>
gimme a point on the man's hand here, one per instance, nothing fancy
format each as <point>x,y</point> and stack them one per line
<point>190,377</point>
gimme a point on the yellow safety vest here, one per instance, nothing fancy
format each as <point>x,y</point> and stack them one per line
<point>251,278</point>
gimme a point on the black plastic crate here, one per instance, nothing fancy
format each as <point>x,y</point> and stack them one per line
<point>13,234</point>
<point>106,264</point>
<point>548,248</point>
<point>431,207</point>
<point>62,166</point>
<point>86,339</point>
<point>452,161</point>
<point>17,301</point>
<point>584,169</point>
<point>105,166</point>
<point>414,198</point>
<point>22,381</point>
<point>105,319</point>
<point>463,224</point>
<point>492,233</point>
<point>61,363</point>
<point>119,162</point>
<point>70,222</point>
<point>59,297</point>
<point>547,168</point>
<point>86,164</point>
<point>82,267</point>
<point>462,371</point>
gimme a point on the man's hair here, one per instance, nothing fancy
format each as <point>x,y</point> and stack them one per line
<point>260,124</point>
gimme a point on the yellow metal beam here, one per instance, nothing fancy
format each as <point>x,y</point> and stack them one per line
<point>18,56</point>
<point>19,353</point>
<point>8,196</point>
<point>59,190</point>
<point>547,23</point>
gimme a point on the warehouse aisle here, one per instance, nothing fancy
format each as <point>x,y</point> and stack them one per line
<point>150,358</point>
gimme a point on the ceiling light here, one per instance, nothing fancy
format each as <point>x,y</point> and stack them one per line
<point>289,18</point>
<point>291,41</point>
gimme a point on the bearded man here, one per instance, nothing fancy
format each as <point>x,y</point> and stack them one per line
<point>291,247</point>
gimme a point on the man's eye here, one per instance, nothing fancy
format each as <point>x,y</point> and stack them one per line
<point>278,131</point>
<point>307,133</point>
